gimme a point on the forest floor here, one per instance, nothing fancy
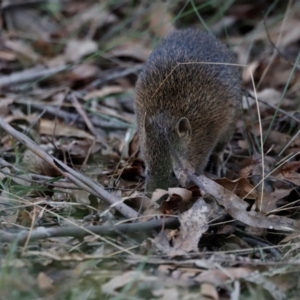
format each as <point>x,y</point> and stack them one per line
<point>75,220</point>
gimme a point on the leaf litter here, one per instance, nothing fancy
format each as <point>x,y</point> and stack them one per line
<point>74,215</point>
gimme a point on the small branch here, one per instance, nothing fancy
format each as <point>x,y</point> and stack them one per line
<point>80,232</point>
<point>30,3</point>
<point>29,75</point>
<point>115,75</point>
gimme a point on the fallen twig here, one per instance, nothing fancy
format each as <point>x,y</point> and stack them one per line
<point>29,75</point>
<point>115,75</point>
<point>79,232</point>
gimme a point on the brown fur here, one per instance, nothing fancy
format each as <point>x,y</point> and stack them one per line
<point>207,96</point>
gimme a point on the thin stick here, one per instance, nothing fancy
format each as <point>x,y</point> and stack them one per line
<point>78,232</point>
<point>261,146</point>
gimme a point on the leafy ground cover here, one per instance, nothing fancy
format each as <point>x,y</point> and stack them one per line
<point>75,222</point>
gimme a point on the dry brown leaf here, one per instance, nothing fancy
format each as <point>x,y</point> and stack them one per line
<point>22,50</point>
<point>177,201</point>
<point>241,187</point>
<point>76,49</point>
<point>31,21</point>
<point>83,72</point>
<point>3,171</point>
<point>35,164</point>
<point>289,32</point>
<point>193,223</point>
<point>218,277</point>
<point>56,128</point>
<point>256,231</point>
<point>8,56</point>
<point>270,96</point>
<point>105,91</point>
<point>291,166</point>
<point>183,193</point>
<point>8,212</point>
<point>166,294</point>
<point>269,202</point>
<point>247,170</point>
<point>243,144</point>
<point>275,73</point>
<point>97,14</point>
<point>160,20</point>
<point>131,49</point>
<point>158,194</point>
<point>290,237</point>
<point>288,173</point>
<point>162,242</point>
<point>279,140</point>
<point>130,277</point>
<point>27,219</point>
<point>183,274</point>
<point>79,196</point>
<point>134,146</point>
<point>44,281</point>
<point>77,148</point>
<point>129,118</point>
<point>273,97</point>
<point>210,291</point>
<point>17,116</point>
<point>4,103</point>
<point>132,171</point>
<point>233,242</point>
<point>23,180</point>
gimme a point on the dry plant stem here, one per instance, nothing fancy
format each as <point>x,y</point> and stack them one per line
<point>261,146</point>
<point>79,179</point>
<point>77,232</point>
<point>82,113</point>
<point>16,3</point>
<point>72,117</point>
<point>211,259</point>
<point>116,75</point>
<point>29,75</point>
<point>90,126</point>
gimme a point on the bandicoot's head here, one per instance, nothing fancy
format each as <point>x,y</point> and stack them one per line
<point>162,140</point>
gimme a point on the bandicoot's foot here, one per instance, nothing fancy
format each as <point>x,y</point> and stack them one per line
<point>216,164</point>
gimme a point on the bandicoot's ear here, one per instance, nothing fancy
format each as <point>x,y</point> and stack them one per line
<point>183,127</point>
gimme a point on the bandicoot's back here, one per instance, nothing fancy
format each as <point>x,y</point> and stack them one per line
<point>187,97</point>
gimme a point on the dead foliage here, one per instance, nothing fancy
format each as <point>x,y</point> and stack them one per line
<point>75,221</point>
